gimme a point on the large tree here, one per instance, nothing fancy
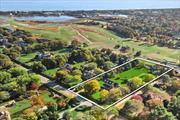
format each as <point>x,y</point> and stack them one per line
<point>49,63</point>
<point>135,82</point>
<point>4,77</point>
<point>38,67</point>
<point>174,106</point>
<point>132,108</point>
<point>4,95</point>
<point>92,87</point>
<point>17,71</point>
<point>114,94</point>
<point>148,77</point>
<point>5,61</point>
<point>61,74</point>
<point>160,113</point>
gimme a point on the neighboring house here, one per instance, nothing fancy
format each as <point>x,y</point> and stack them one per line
<point>42,40</point>
<point>68,66</point>
<point>152,95</point>
<point>108,84</point>
<point>5,42</point>
<point>42,55</point>
<point>10,103</point>
<point>137,97</point>
<point>88,74</point>
<point>21,43</point>
<point>4,113</point>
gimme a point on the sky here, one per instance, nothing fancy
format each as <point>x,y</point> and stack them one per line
<point>86,4</point>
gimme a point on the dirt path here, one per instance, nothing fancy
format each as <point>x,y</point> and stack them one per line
<point>84,37</point>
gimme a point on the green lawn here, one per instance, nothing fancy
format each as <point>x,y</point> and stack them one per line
<point>27,58</point>
<point>96,96</point>
<point>122,78</point>
<point>133,72</point>
<point>51,72</point>
<point>47,98</point>
<point>20,106</point>
<point>154,51</point>
<point>78,65</point>
<point>26,103</point>
<point>61,51</point>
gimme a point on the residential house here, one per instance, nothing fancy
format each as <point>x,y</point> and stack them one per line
<point>42,55</point>
<point>5,42</point>
<point>4,113</point>
<point>21,43</point>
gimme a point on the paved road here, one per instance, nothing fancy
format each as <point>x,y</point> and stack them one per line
<point>53,85</point>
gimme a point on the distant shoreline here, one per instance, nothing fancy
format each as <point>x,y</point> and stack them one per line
<point>75,13</point>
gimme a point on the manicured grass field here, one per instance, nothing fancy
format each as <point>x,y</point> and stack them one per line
<point>127,75</point>
<point>122,78</point>
<point>78,65</point>
<point>96,96</point>
<point>51,72</point>
<point>47,98</point>
<point>20,106</point>
<point>63,51</point>
<point>27,58</point>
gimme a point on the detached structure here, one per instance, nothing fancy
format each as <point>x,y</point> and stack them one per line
<point>4,113</point>
<point>5,42</point>
<point>42,55</point>
<point>21,43</point>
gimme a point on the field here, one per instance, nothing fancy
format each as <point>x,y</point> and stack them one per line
<point>95,36</point>
<point>26,103</point>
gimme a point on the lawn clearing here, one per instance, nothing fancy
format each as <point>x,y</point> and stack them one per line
<point>26,103</point>
<point>51,72</point>
<point>27,57</point>
<point>20,106</point>
<point>127,75</point>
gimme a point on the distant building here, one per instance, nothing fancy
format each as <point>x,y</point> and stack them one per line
<point>5,42</point>
<point>21,43</point>
<point>4,113</point>
<point>42,55</point>
<point>88,74</point>
<point>108,84</point>
<point>68,66</point>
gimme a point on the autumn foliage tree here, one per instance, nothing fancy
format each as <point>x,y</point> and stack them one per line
<point>104,94</point>
<point>37,100</point>
<point>135,83</point>
<point>91,87</point>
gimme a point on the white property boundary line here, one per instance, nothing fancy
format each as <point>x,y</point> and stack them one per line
<point>128,95</point>
<point>101,74</point>
<point>138,89</point>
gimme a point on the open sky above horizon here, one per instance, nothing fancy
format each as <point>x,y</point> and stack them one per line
<point>26,5</point>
